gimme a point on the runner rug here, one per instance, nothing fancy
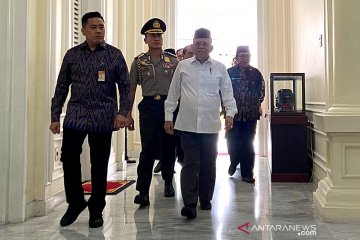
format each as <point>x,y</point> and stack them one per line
<point>112,187</point>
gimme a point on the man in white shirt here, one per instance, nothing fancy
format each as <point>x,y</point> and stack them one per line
<point>199,80</point>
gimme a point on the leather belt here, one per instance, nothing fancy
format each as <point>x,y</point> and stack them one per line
<point>156,97</point>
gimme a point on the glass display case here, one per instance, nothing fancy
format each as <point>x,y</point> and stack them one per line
<point>287,121</point>
<point>287,92</point>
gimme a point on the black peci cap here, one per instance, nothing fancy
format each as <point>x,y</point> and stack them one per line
<point>202,33</point>
<point>154,25</point>
<point>242,49</point>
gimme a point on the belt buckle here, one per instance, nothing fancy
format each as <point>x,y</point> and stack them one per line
<point>157,97</point>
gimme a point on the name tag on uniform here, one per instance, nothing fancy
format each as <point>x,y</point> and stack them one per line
<point>101,76</point>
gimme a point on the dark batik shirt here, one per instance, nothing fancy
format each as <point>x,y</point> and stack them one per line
<point>249,92</point>
<point>93,104</point>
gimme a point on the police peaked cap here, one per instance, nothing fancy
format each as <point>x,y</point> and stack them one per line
<point>154,25</point>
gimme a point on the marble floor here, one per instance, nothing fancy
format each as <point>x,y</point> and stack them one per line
<point>240,211</point>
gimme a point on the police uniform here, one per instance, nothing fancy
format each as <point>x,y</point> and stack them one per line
<point>154,79</point>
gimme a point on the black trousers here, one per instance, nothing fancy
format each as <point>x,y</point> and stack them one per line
<point>198,173</point>
<point>240,146</point>
<point>155,142</point>
<point>100,144</point>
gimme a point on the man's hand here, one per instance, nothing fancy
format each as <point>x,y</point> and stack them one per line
<point>169,127</point>
<point>55,127</point>
<point>120,122</point>
<point>131,126</point>
<point>228,123</point>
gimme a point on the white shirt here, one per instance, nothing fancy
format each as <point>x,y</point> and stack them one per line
<point>198,85</point>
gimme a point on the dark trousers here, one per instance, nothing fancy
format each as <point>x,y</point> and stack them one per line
<point>178,149</point>
<point>240,146</point>
<point>100,144</point>
<point>198,173</point>
<point>155,142</point>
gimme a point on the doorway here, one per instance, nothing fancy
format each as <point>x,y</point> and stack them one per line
<point>232,23</point>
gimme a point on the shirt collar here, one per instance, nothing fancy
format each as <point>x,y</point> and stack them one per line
<point>148,56</point>
<point>101,46</point>
<point>210,60</point>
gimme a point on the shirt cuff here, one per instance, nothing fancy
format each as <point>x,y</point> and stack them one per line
<point>230,113</point>
<point>55,118</point>
<point>168,116</point>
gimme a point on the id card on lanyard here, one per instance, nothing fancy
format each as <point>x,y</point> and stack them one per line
<point>101,76</point>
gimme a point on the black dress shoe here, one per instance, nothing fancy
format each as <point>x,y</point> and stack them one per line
<point>169,190</point>
<point>142,200</point>
<point>96,221</point>
<point>72,214</point>
<point>189,212</point>
<point>248,179</point>
<point>157,168</point>
<point>130,161</point>
<point>232,169</point>
<point>205,205</point>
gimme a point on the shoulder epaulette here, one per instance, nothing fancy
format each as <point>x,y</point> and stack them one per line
<point>140,55</point>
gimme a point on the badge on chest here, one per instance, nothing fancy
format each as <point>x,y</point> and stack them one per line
<point>101,76</point>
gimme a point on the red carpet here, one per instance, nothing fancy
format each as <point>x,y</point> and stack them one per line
<point>113,186</point>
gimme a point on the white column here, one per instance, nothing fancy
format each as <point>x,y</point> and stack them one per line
<point>13,120</point>
<point>337,198</point>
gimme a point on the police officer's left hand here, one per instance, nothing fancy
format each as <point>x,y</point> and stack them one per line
<point>120,122</point>
<point>169,127</point>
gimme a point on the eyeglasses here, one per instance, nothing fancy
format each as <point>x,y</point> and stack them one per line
<point>244,56</point>
<point>204,44</point>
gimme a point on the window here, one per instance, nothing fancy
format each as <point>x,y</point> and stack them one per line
<point>76,22</point>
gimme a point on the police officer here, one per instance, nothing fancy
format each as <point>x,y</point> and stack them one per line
<point>153,71</point>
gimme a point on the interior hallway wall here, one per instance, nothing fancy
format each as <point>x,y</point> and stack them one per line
<point>309,56</point>
<point>36,36</point>
<point>322,40</point>
<point>13,108</point>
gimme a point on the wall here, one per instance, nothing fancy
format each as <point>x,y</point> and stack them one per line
<point>13,117</point>
<point>36,36</point>
<point>308,56</point>
<point>324,46</point>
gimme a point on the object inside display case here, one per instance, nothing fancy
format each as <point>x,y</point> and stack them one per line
<point>285,101</point>
<point>287,92</point>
